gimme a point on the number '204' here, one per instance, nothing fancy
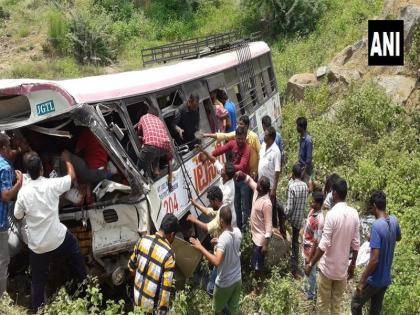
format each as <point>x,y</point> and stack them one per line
<point>170,204</point>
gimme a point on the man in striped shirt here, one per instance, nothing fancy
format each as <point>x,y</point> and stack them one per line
<point>295,208</point>
<point>153,262</point>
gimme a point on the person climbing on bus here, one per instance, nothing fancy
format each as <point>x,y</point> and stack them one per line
<point>230,107</point>
<point>222,113</point>
<point>90,160</point>
<point>187,121</point>
<point>155,144</point>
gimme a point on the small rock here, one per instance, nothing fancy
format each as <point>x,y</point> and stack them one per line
<point>322,71</point>
<point>397,86</point>
<point>298,83</point>
<point>345,76</point>
<point>342,57</point>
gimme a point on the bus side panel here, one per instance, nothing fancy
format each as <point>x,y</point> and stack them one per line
<point>200,176</point>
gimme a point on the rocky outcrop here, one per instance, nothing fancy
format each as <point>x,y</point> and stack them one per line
<point>297,85</point>
<point>411,16</point>
<point>397,86</point>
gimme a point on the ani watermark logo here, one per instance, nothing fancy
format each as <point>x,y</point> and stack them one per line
<point>386,43</point>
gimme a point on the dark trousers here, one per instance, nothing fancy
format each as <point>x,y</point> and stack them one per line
<point>91,176</point>
<point>294,259</point>
<point>376,297</point>
<point>149,156</point>
<point>243,202</point>
<point>40,264</point>
<point>278,217</point>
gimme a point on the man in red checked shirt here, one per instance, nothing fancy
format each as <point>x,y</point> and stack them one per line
<point>156,144</point>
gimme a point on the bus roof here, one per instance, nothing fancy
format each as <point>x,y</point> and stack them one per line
<point>121,85</point>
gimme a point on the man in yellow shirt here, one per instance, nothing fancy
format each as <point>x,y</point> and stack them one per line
<point>243,195</point>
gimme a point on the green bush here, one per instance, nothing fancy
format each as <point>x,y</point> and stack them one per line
<point>91,42</point>
<point>288,16</point>
<point>4,15</point>
<point>57,40</point>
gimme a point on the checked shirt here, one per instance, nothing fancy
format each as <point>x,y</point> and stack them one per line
<point>153,131</point>
<point>153,260</point>
<point>296,201</point>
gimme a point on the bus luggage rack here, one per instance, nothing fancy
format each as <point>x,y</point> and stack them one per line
<point>195,48</point>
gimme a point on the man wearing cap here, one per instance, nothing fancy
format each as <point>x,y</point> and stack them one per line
<point>153,262</point>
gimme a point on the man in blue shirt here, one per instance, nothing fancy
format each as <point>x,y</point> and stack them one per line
<point>230,107</point>
<point>377,276</point>
<point>305,150</point>
<point>8,192</point>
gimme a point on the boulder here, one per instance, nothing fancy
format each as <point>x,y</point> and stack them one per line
<point>411,16</point>
<point>397,86</point>
<point>345,55</point>
<point>298,83</point>
<point>343,75</point>
<point>322,71</point>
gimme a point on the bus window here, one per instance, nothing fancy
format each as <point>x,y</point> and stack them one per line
<point>272,79</point>
<point>262,85</point>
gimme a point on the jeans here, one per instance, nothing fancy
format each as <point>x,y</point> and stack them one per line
<point>149,155</point>
<point>330,295</point>
<point>243,201</point>
<point>376,297</point>
<point>294,259</point>
<point>91,176</point>
<point>212,281</point>
<point>4,260</point>
<point>40,264</point>
<point>311,290</point>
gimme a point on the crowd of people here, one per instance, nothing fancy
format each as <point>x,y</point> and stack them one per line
<point>246,199</point>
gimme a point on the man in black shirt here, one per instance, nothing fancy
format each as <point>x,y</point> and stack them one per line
<point>187,121</point>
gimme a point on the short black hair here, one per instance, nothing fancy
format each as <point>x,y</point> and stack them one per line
<point>215,193</point>
<point>302,122</point>
<point>272,132</point>
<point>169,224</point>
<point>340,187</point>
<point>330,181</point>
<point>26,157</point>
<point>194,97</point>
<point>34,166</point>
<point>226,215</point>
<point>297,171</point>
<point>264,184</point>
<point>240,131</point>
<point>318,197</point>
<point>221,95</point>
<point>4,140</point>
<point>378,200</point>
<point>229,169</point>
<point>266,121</point>
<point>244,119</point>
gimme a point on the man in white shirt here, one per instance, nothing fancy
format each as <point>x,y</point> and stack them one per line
<point>270,166</point>
<point>38,203</point>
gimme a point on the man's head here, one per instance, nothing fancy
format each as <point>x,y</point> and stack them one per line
<point>193,102</point>
<point>301,125</point>
<point>263,185</point>
<point>317,200</point>
<point>377,202</point>
<point>213,96</point>
<point>5,149</point>
<point>240,136</point>
<point>266,122</point>
<point>221,96</point>
<point>296,171</point>
<point>244,122</point>
<point>339,190</point>
<point>169,227</point>
<point>228,172</point>
<point>215,197</point>
<point>269,135</point>
<point>33,165</point>
<point>225,216</point>
<point>329,182</point>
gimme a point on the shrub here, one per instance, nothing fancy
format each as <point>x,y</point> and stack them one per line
<point>90,40</point>
<point>4,15</point>
<point>288,16</point>
<point>57,40</point>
